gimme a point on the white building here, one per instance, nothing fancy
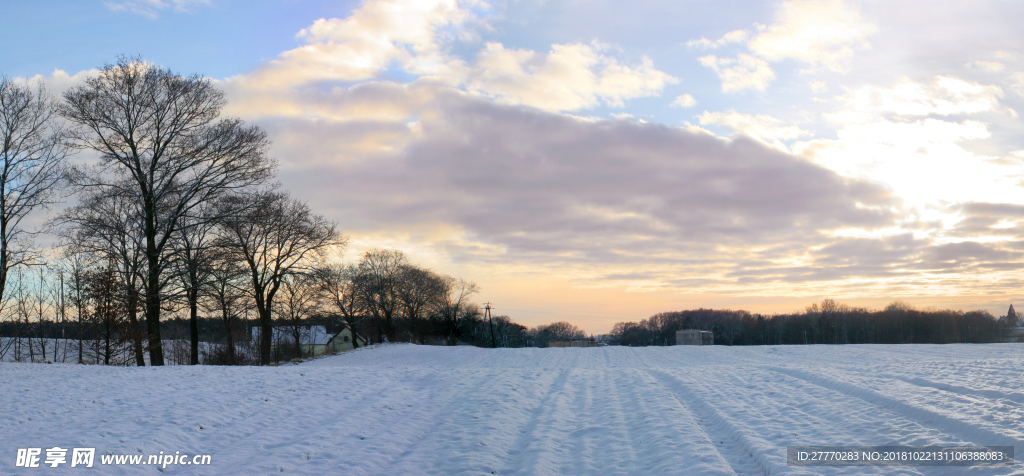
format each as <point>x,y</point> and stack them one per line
<point>695,337</point>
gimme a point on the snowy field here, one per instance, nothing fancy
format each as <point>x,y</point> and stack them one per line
<point>404,409</point>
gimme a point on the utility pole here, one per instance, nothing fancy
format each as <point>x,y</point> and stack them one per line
<point>487,314</point>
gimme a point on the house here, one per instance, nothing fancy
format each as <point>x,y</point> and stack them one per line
<point>315,340</point>
<point>695,337</point>
<point>342,341</point>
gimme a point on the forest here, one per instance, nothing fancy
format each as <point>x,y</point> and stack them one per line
<point>828,323</point>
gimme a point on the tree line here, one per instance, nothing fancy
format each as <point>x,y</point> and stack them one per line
<point>827,323</point>
<point>176,213</point>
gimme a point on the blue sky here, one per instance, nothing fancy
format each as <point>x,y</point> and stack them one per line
<point>601,161</point>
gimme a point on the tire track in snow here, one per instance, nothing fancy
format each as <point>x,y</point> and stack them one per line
<point>587,429</point>
<point>486,408</point>
<point>303,433</point>
<point>581,456</point>
<point>529,448</point>
<point>967,431</point>
<point>615,453</point>
<point>746,454</point>
<point>664,434</point>
<point>960,390</point>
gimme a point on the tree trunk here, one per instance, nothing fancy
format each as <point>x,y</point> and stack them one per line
<point>265,335</point>
<point>230,340</point>
<point>263,309</point>
<point>136,329</point>
<point>156,351</point>
<point>352,328</point>
<point>193,304</point>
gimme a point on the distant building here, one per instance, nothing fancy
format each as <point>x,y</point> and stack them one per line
<point>1011,318</point>
<point>695,337</point>
<point>315,340</point>
<point>342,341</point>
<point>1012,326</point>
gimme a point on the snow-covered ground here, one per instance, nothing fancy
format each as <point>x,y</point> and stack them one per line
<point>404,409</point>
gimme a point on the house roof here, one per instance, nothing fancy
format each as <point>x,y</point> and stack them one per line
<point>344,328</point>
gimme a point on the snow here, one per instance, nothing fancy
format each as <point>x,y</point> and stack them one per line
<point>405,409</point>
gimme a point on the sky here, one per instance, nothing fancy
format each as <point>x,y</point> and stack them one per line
<point>600,161</point>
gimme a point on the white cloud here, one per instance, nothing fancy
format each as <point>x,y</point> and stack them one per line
<point>945,95</point>
<point>743,72</point>
<point>818,32</point>
<point>1017,82</point>
<point>377,34</point>
<point>684,100</point>
<point>818,86</point>
<point>758,126</point>
<point>987,66</point>
<point>735,36</point>
<point>822,33</point>
<point>384,34</point>
<point>152,8</point>
<point>923,160</point>
<point>570,77</point>
<point>882,137</point>
<point>60,80</point>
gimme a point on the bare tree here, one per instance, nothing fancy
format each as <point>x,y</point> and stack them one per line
<point>454,301</point>
<point>107,226</point>
<point>161,144</point>
<point>108,312</point>
<point>226,295</point>
<point>420,292</point>
<point>276,236</point>
<point>379,283</point>
<point>338,287</point>
<point>192,260</point>
<point>32,153</point>
<point>556,331</point>
<point>77,263</point>
<point>299,300</point>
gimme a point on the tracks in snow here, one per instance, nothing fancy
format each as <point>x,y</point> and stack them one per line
<point>970,432</point>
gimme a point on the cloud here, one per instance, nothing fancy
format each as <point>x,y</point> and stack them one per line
<point>818,86</point>
<point>758,126</point>
<point>987,66</point>
<point>743,72</point>
<point>570,77</point>
<point>383,35</point>
<point>945,95</point>
<point>821,33</point>
<point>152,8</point>
<point>61,81</point>
<point>818,32</point>
<point>519,185</point>
<point>735,36</point>
<point>378,34</point>
<point>684,100</point>
<point>910,136</point>
<point>923,160</point>
<point>1017,82</point>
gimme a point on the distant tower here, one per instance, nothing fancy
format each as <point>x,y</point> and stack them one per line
<point>1011,313</point>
